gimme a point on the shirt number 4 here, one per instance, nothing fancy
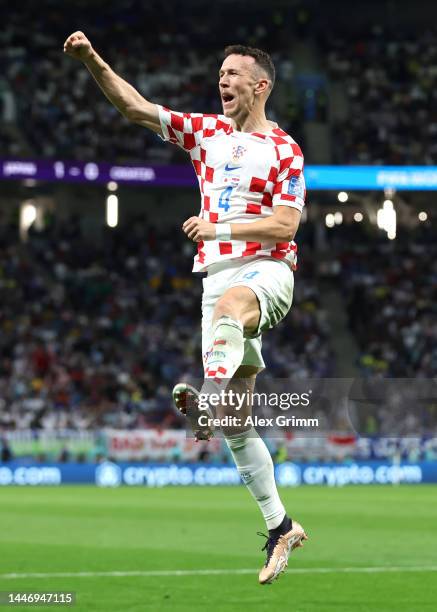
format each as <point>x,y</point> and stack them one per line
<point>224,198</point>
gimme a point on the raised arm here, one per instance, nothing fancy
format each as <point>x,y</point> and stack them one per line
<point>123,96</point>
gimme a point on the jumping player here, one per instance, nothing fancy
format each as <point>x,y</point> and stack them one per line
<point>252,192</point>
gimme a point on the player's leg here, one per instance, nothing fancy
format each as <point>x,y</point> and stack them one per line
<point>249,451</point>
<point>255,466</point>
<point>272,283</point>
<point>225,320</point>
<point>236,315</point>
<point>250,310</point>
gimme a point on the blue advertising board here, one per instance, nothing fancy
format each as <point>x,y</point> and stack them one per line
<point>109,474</point>
<point>411,178</point>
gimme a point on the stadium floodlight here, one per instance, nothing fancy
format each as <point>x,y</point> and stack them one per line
<point>342,196</point>
<point>28,214</point>
<point>386,219</point>
<point>112,210</point>
<point>112,186</point>
<point>338,218</point>
<point>423,216</point>
<point>358,217</point>
<point>329,220</point>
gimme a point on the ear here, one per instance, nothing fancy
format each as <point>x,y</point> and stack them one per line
<point>262,86</point>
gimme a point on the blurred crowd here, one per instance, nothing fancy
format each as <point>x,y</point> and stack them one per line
<point>390,81</point>
<point>386,78</point>
<point>391,293</point>
<point>96,335</point>
<point>171,58</point>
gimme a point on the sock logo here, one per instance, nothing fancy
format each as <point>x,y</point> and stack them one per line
<point>215,356</point>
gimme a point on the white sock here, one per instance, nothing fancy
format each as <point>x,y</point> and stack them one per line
<point>225,356</point>
<point>255,467</point>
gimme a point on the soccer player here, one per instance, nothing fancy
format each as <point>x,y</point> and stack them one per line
<point>252,191</point>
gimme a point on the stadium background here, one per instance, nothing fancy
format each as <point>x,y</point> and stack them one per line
<point>100,314</point>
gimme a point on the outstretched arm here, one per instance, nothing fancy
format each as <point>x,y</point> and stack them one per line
<point>123,96</point>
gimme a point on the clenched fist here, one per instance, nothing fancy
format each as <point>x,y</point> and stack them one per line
<point>198,229</point>
<point>78,46</point>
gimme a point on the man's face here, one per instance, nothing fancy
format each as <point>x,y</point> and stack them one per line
<point>238,77</point>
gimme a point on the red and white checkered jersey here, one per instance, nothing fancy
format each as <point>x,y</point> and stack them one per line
<point>241,175</point>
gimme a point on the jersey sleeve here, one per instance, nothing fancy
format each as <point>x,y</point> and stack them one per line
<point>188,129</point>
<point>289,189</point>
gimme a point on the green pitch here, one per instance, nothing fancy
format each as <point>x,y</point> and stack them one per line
<point>371,548</point>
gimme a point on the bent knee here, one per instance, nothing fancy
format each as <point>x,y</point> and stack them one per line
<point>241,304</point>
<point>226,306</point>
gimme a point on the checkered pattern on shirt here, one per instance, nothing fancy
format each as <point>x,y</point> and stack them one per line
<point>277,179</point>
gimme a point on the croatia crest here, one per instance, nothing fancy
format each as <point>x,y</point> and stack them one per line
<point>238,152</point>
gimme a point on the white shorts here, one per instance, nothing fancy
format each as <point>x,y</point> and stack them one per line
<point>272,282</point>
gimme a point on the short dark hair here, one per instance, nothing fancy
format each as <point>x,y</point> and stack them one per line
<point>262,59</point>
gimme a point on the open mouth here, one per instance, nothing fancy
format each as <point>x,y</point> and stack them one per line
<point>227,98</point>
